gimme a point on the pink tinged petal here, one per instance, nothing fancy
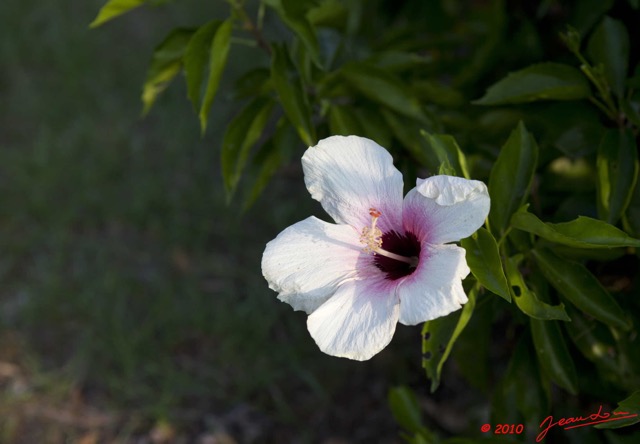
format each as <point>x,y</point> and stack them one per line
<point>358,321</point>
<point>309,260</point>
<point>349,175</point>
<point>444,209</point>
<point>435,288</point>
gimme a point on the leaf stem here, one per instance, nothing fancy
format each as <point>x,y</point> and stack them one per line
<point>250,26</point>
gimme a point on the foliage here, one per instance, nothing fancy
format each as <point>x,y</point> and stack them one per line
<point>478,89</point>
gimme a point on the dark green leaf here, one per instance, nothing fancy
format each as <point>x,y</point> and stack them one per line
<point>581,288</point>
<point>381,87</point>
<point>544,81</point>
<point>617,173</point>
<point>439,336</point>
<point>511,178</point>
<point>408,133</point>
<point>583,232</point>
<point>526,299</point>
<point>553,355</point>
<point>343,121</point>
<point>165,65</point>
<point>483,259</point>
<point>242,134</point>
<point>288,84</point>
<point>196,59</point>
<point>114,8</point>
<point>405,409</point>
<point>445,149</point>
<point>609,46</point>
<point>217,61</point>
<point>255,82</point>
<point>628,412</point>
<point>631,219</point>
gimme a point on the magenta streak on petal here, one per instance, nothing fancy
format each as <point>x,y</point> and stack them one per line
<point>403,244</point>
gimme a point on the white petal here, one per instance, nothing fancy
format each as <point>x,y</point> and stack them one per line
<point>349,175</point>
<point>435,288</point>
<point>444,209</point>
<point>308,260</point>
<point>358,321</point>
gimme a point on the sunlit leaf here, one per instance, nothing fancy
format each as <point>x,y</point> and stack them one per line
<point>439,337</point>
<point>617,173</point>
<point>581,288</point>
<point>526,299</point>
<point>583,232</point>
<point>609,46</point>
<point>114,8</point>
<point>553,355</point>
<point>166,63</point>
<point>483,259</point>
<point>288,84</point>
<point>217,61</point>
<point>445,149</point>
<point>511,177</point>
<point>196,59</point>
<point>242,134</point>
<point>544,81</point>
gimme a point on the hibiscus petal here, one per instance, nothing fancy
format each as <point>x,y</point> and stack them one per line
<point>308,260</point>
<point>434,289</point>
<point>444,209</point>
<point>349,175</point>
<point>358,321</point>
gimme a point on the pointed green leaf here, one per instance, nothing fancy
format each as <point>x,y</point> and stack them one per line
<point>544,81</point>
<point>526,299</point>
<point>511,178</point>
<point>242,134</point>
<point>445,149</point>
<point>382,87</point>
<point>483,259</point>
<point>553,355</point>
<point>288,84</point>
<point>617,173</point>
<point>165,65</point>
<point>583,232</point>
<point>609,47</point>
<point>114,8</point>
<point>343,121</point>
<point>627,413</point>
<point>439,335</point>
<point>581,288</point>
<point>217,61</point>
<point>196,59</point>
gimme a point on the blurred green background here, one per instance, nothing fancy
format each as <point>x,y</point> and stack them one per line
<point>132,304</point>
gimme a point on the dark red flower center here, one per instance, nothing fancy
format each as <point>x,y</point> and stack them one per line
<point>406,245</point>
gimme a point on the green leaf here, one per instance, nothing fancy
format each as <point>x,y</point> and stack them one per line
<point>609,46</point>
<point>617,166</point>
<point>343,121</point>
<point>581,288</point>
<point>544,81</point>
<point>114,8</point>
<point>288,84</point>
<point>526,299</point>
<point>583,232</point>
<point>242,134</point>
<point>293,14</point>
<point>511,177</point>
<point>269,158</point>
<point>165,65</point>
<point>553,355</point>
<point>196,58</point>
<point>381,87</point>
<point>445,149</point>
<point>628,411</point>
<point>483,259</point>
<point>219,53</point>
<point>439,335</point>
<point>406,409</point>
